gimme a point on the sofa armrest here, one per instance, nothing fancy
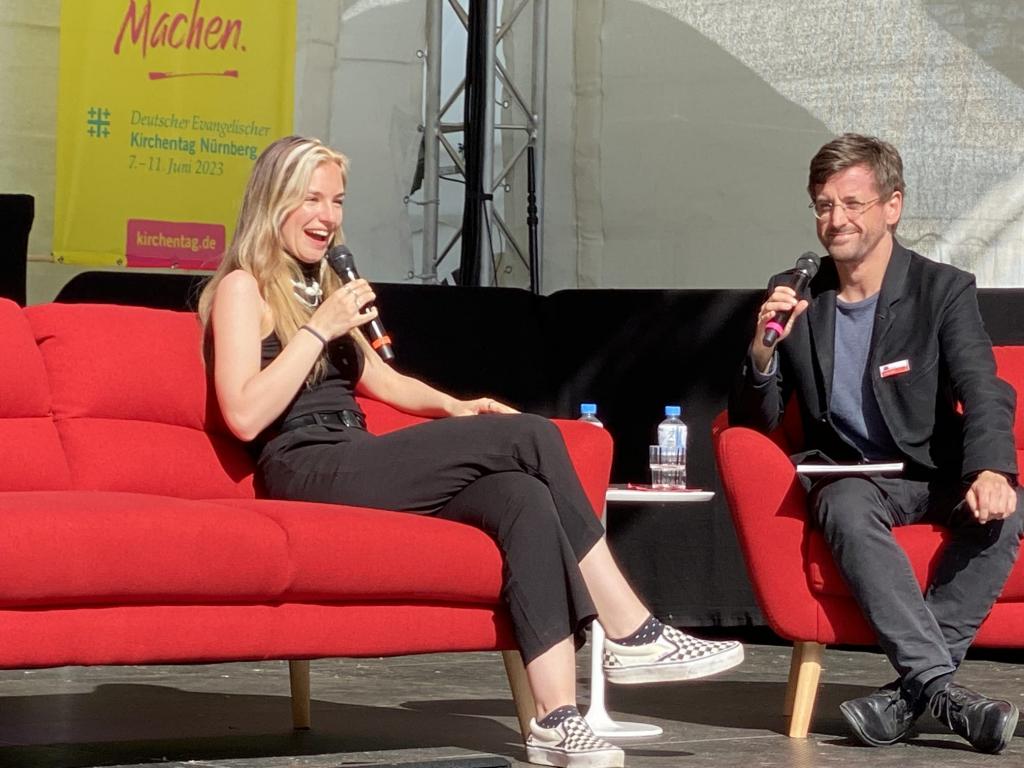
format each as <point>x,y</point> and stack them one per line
<point>769,510</point>
<point>382,418</point>
<point>590,448</point>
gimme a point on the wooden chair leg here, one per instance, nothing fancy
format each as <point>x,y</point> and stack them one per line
<point>298,672</point>
<point>804,673</point>
<point>522,696</point>
<point>794,671</point>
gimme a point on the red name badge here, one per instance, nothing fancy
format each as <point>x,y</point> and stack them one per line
<point>894,369</point>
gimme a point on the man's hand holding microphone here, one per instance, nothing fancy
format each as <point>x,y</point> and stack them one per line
<point>779,312</point>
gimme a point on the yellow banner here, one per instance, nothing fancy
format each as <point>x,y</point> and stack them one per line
<point>163,107</point>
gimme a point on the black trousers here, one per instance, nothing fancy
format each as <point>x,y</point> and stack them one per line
<point>509,475</point>
<point>924,635</point>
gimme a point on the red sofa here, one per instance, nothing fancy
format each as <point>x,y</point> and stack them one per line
<point>131,532</point>
<point>800,591</point>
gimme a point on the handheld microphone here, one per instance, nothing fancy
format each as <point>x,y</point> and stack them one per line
<point>799,276</point>
<point>342,261</point>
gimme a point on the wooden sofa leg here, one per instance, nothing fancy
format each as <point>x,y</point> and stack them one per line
<point>794,670</point>
<point>298,672</point>
<point>520,686</point>
<point>804,673</point>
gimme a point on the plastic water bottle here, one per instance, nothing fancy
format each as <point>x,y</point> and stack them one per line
<point>588,414</point>
<point>672,441</point>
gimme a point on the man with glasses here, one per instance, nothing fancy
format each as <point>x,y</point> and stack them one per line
<point>889,361</point>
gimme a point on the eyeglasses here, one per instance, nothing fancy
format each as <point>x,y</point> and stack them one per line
<point>823,209</point>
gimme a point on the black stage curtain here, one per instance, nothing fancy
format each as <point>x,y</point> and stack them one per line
<point>630,351</point>
<point>16,215</point>
<point>142,289</point>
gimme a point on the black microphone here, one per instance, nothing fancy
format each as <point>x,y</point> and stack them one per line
<point>344,264</point>
<point>799,276</point>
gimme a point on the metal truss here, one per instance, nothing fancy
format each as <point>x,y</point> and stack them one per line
<point>521,129</point>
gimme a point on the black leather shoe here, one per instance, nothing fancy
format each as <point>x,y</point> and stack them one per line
<point>881,718</point>
<point>988,724</point>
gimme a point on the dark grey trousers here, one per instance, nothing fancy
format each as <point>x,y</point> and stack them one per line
<point>924,635</point>
<point>509,475</point>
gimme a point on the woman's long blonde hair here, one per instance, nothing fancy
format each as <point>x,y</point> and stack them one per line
<point>277,186</point>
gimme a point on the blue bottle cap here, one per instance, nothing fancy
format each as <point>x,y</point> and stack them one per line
<point>673,410</point>
<point>588,409</point>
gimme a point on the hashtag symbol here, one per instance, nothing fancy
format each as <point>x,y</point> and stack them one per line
<point>98,121</point>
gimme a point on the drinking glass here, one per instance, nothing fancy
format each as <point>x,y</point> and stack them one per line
<point>668,467</point>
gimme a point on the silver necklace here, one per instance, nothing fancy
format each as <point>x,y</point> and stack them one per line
<point>309,292</point>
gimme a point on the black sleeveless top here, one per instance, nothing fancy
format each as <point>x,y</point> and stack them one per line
<point>334,392</point>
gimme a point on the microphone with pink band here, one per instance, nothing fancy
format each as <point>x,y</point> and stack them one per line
<point>796,278</point>
<point>341,260</point>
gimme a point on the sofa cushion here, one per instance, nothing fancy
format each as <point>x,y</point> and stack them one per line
<point>31,455</point>
<point>369,554</point>
<point>150,457</point>
<point>67,548</point>
<point>101,548</point>
<point>382,418</point>
<point>132,402</point>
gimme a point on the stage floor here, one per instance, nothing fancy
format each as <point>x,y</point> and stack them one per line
<point>416,708</point>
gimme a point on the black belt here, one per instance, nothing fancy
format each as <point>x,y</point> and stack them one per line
<point>345,418</point>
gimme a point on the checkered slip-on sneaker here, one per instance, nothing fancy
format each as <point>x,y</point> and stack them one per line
<point>571,744</point>
<point>674,655</point>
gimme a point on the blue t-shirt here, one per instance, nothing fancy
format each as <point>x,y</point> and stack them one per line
<point>854,408</point>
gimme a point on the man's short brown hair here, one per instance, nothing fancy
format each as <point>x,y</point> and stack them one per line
<point>852,149</point>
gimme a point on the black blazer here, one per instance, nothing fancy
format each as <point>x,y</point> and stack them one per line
<point>927,314</point>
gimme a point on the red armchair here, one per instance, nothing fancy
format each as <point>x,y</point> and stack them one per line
<point>800,591</point>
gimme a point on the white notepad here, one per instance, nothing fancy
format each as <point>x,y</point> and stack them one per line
<point>879,468</point>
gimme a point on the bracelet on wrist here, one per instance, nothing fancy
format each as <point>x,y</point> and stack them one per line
<point>316,335</point>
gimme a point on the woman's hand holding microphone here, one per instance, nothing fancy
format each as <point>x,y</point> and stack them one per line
<point>343,310</point>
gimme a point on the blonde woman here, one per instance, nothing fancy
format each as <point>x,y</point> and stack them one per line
<point>287,360</point>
